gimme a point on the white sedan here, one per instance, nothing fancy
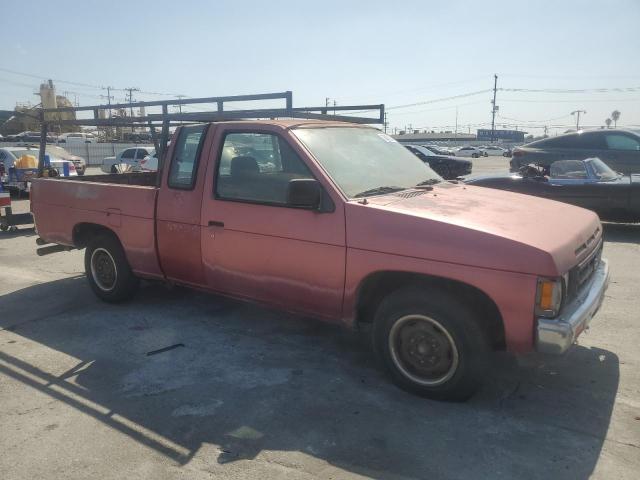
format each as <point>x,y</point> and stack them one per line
<point>130,156</point>
<point>468,151</point>
<point>494,150</point>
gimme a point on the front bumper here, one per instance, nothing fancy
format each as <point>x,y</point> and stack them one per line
<point>556,335</point>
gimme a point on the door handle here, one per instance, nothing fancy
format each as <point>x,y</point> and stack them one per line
<point>214,223</point>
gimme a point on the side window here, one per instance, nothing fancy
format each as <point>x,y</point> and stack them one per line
<point>616,141</point>
<point>184,164</point>
<point>128,153</point>
<point>3,156</point>
<point>568,169</point>
<point>592,140</point>
<point>257,167</point>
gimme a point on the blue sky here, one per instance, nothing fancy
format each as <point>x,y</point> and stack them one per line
<point>395,53</point>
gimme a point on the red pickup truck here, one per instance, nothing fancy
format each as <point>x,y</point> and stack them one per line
<point>341,222</point>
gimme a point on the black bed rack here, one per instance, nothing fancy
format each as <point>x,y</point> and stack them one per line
<point>165,119</point>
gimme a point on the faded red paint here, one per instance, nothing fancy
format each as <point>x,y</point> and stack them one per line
<point>314,263</point>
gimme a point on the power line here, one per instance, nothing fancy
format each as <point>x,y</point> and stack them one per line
<point>79,84</point>
<point>443,99</point>
<point>531,100</point>
<point>572,90</point>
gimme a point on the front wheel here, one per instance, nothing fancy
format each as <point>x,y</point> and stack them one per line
<point>431,344</point>
<point>108,270</point>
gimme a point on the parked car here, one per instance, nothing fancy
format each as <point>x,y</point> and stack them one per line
<point>19,178</point>
<point>618,148</point>
<point>150,162</point>
<point>473,152</point>
<point>77,137</point>
<point>494,150</point>
<point>586,183</point>
<point>29,137</point>
<point>61,154</point>
<point>438,150</point>
<point>341,222</point>
<point>447,167</point>
<point>129,156</point>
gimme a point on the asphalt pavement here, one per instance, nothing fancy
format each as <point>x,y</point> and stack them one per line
<point>181,384</point>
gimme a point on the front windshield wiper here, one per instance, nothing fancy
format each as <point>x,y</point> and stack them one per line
<point>430,181</point>
<point>378,190</point>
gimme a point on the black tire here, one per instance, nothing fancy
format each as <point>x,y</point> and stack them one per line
<point>413,323</point>
<point>113,169</point>
<point>474,155</point>
<point>108,270</point>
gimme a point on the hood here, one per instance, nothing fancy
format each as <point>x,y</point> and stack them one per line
<point>475,226</point>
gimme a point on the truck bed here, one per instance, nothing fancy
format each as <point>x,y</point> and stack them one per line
<point>147,179</point>
<point>122,203</point>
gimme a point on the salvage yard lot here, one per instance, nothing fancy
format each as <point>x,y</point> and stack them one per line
<point>87,391</point>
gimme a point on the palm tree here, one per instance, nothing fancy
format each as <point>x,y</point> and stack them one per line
<point>608,122</point>
<point>615,116</point>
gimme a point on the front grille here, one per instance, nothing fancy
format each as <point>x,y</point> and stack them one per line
<point>582,273</point>
<point>588,243</point>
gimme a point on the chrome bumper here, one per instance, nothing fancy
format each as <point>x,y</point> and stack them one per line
<point>556,335</point>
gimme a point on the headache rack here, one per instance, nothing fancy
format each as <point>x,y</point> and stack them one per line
<point>164,120</point>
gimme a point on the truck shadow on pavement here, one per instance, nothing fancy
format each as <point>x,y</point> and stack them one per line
<point>243,382</point>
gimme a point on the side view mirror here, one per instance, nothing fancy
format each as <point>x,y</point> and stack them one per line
<point>304,193</point>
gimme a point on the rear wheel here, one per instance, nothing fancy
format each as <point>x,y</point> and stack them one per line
<point>108,270</point>
<point>431,344</point>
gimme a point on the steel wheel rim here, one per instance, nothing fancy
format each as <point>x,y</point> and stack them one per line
<point>423,350</point>
<point>103,269</point>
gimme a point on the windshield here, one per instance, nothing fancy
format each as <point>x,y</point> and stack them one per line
<point>601,169</point>
<point>58,152</point>
<point>365,161</point>
<point>20,153</point>
<point>425,151</point>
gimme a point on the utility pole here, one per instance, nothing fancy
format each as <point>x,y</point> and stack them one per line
<point>334,107</point>
<point>577,114</point>
<point>386,122</point>
<point>108,96</point>
<point>131,90</point>
<point>494,108</point>
<point>456,131</point>
<point>180,97</point>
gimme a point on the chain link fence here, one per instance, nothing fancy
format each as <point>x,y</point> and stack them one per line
<point>93,153</point>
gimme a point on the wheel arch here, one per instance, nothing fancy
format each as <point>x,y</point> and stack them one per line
<point>377,285</point>
<point>83,232</point>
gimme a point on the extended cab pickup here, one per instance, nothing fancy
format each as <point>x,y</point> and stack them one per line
<point>341,222</point>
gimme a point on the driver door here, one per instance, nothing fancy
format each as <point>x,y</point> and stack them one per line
<point>256,246</point>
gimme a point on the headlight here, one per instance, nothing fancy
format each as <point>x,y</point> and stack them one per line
<point>549,297</point>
